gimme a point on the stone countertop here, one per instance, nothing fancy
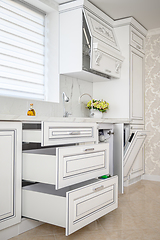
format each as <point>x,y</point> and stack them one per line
<point>61,119</point>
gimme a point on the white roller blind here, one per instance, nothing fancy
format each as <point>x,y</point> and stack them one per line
<point>22,50</point>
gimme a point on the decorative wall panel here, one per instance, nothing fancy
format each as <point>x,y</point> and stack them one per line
<point>152,103</point>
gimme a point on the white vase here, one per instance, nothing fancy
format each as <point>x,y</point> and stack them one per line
<point>94,113</point>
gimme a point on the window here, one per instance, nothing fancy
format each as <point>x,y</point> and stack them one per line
<point>22,51</point>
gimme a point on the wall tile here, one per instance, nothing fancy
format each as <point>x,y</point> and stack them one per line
<point>71,86</point>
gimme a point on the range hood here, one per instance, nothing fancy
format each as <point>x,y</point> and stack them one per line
<point>88,45</point>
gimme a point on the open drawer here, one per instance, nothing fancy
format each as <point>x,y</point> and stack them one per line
<point>71,207</point>
<point>66,166</point>
<point>53,133</point>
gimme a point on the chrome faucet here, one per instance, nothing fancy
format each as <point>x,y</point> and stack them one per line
<point>91,101</point>
<point>65,99</point>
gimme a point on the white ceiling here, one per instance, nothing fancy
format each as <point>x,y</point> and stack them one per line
<point>147,12</point>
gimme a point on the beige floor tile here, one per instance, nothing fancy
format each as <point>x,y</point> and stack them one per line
<point>112,222</point>
<point>133,234</point>
<point>34,237</point>
<point>80,235</point>
<point>144,207</point>
<point>152,221</point>
<point>151,234</point>
<point>41,231</point>
<point>114,235</point>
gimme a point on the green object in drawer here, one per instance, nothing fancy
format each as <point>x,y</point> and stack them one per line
<point>104,176</point>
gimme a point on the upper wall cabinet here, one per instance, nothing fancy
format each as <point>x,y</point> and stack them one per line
<point>88,45</point>
<point>132,45</point>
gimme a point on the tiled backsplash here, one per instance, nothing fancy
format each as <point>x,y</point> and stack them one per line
<point>74,88</point>
<point>152,103</point>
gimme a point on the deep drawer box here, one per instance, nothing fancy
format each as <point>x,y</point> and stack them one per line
<point>66,166</point>
<point>71,207</point>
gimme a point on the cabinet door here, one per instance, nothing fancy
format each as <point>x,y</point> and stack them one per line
<point>7,162</point>
<point>10,170</point>
<point>138,166</point>
<point>137,40</point>
<point>137,86</point>
<point>132,149</point>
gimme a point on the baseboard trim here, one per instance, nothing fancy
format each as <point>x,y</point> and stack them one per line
<point>15,230</point>
<point>155,178</point>
<point>132,181</point>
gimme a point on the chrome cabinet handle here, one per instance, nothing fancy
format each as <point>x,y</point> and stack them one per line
<point>98,188</point>
<point>88,149</point>
<point>74,133</point>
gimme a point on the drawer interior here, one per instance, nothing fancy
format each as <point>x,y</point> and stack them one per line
<point>39,165</point>
<point>50,189</point>
<point>42,151</point>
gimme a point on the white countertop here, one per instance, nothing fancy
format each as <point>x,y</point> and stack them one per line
<point>60,119</point>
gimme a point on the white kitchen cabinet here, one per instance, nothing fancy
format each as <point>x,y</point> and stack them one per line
<point>88,47</point>
<point>64,188</point>
<point>128,159</point>
<point>126,96</point>
<point>136,85</point>
<point>138,167</point>
<point>10,173</point>
<point>137,40</point>
<point>135,144</point>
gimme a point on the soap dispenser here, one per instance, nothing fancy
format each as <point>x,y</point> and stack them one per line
<point>31,111</point>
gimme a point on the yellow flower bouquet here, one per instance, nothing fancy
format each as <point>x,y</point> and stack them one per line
<point>100,105</point>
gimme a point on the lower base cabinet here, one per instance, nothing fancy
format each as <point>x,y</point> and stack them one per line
<point>72,207</point>
<point>10,173</point>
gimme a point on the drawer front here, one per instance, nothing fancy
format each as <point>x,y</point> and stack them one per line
<point>89,203</point>
<point>137,40</point>
<point>78,164</point>
<point>60,133</point>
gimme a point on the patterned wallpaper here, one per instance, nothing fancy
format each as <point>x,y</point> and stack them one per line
<point>152,103</point>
